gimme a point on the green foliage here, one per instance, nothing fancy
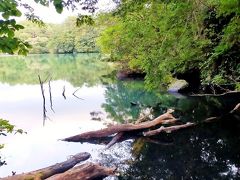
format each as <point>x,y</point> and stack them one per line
<point>84,19</point>
<point>58,5</point>
<point>6,127</point>
<point>218,79</point>
<point>237,86</point>
<point>77,69</point>
<point>165,38</point>
<point>9,9</point>
<point>60,38</point>
<point>8,42</point>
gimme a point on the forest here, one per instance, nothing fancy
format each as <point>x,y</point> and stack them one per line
<point>60,38</point>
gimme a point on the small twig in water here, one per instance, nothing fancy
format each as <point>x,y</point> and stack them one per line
<point>63,93</point>
<point>76,95</point>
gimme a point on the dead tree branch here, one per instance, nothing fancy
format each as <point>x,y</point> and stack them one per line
<point>63,93</point>
<point>121,128</point>
<point>44,100</point>
<point>88,171</point>
<point>74,94</point>
<point>51,170</point>
<point>50,94</point>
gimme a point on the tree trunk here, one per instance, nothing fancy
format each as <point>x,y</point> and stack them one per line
<point>165,118</point>
<point>51,170</point>
<point>86,171</point>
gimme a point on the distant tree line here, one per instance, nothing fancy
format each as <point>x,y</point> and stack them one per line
<point>59,38</point>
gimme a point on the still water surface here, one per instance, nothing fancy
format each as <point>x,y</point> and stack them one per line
<point>86,96</point>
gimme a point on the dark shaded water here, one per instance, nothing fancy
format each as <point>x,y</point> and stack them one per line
<point>204,152</point>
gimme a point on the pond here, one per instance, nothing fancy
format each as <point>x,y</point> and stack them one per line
<point>82,94</point>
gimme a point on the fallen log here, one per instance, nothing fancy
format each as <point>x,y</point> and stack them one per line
<point>167,117</point>
<point>51,170</point>
<point>86,171</point>
<point>188,124</point>
<point>168,129</point>
<point>128,129</point>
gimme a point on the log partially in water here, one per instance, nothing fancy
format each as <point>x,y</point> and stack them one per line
<point>168,129</point>
<point>86,171</point>
<point>167,117</point>
<point>51,170</point>
<point>189,124</point>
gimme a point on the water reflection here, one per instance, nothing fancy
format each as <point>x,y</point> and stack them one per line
<point>77,69</point>
<point>205,152</point>
<point>125,101</point>
<point>94,99</point>
<point>201,153</point>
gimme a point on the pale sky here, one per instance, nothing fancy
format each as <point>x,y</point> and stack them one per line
<point>49,14</point>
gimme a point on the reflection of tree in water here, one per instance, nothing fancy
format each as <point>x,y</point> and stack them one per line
<point>200,153</point>
<point>204,152</point>
<point>77,69</point>
<point>125,100</point>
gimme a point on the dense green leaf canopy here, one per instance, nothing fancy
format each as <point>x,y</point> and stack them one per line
<point>168,38</point>
<point>9,9</point>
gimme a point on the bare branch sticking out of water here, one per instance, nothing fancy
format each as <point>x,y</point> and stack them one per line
<point>74,94</point>
<point>50,94</point>
<point>63,93</point>
<point>44,100</point>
